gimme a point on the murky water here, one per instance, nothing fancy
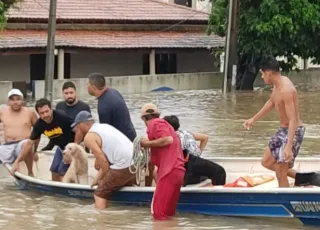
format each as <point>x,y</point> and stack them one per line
<point>201,111</point>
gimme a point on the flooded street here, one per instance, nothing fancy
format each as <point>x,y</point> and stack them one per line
<point>221,117</point>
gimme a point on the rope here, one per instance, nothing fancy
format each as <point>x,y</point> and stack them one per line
<point>140,160</point>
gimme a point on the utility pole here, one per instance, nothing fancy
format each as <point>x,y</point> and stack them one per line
<point>50,50</point>
<point>230,57</point>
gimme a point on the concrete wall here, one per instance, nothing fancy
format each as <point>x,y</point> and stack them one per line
<point>195,61</point>
<point>142,83</point>
<point>110,63</point>
<point>131,63</point>
<point>14,68</point>
<point>309,78</point>
<point>5,87</point>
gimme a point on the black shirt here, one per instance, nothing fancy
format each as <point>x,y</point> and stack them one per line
<point>72,111</point>
<point>112,110</point>
<point>58,131</point>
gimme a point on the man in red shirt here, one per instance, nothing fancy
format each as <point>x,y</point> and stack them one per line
<point>166,154</point>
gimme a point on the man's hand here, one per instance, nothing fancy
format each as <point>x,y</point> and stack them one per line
<point>96,165</point>
<point>94,182</point>
<point>288,154</point>
<point>248,123</point>
<point>15,167</point>
<point>144,142</point>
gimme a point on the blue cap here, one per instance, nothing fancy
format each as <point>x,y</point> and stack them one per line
<point>82,117</point>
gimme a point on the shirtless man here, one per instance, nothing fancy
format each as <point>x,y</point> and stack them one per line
<point>284,146</point>
<point>17,122</point>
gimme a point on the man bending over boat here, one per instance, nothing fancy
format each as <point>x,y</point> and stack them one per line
<point>55,125</point>
<point>284,146</point>
<point>113,152</point>
<point>196,166</point>
<point>17,122</point>
<point>166,154</point>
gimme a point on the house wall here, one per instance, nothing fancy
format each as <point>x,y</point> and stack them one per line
<point>142,83</point>
<point>14,68</point>
<point>114,63</point>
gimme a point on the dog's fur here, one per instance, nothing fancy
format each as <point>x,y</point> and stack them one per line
<point>76,156</point>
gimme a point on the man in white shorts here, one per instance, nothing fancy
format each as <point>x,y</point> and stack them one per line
<point>113,152</point>
<point>17,121</point>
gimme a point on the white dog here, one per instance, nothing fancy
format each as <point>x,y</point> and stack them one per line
<point>76,156</point>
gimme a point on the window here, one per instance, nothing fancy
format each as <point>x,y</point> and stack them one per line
<point>38,66</point>
<point>183,2</point>
<point>166,63</point>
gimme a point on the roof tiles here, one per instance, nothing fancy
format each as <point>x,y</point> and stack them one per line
<point>128,10</point>
<point>12,39</point>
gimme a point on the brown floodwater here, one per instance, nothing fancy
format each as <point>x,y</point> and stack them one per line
<point>207,111</point>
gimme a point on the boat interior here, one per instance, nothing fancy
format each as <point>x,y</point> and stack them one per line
<point>240,170</point>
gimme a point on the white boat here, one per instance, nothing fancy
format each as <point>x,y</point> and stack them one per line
<point>261,200</point>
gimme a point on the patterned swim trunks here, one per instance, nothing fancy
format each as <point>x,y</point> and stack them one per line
<point>278,141</point>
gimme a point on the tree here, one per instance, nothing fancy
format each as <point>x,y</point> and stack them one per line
<point>270,28</point>
<point>4,6</point>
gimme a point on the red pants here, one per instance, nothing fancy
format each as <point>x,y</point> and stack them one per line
<point>166,195</point>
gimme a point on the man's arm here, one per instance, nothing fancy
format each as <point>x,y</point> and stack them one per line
<point>26,150</point>
<point>161,134</point>
<point>268,106</point>
<point>105,115</point>
<point>93,142</point>
<point>78,137</point>
<point>288,100</point>
<point>162,141</point>
<point>203,138</point>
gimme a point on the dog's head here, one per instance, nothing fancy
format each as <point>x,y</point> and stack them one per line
<point>70,152</point>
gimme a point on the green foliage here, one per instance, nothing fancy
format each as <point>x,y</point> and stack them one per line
<point>4,6</point>
<point>272,27</point>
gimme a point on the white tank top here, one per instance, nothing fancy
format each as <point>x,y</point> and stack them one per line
<point>115,145</point>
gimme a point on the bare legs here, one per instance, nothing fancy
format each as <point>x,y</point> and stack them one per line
<point>281,169</point>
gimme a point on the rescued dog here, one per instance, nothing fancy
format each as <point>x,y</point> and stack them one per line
<point>76,156</point>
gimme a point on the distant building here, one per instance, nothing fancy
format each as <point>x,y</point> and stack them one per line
<point>116,38</point>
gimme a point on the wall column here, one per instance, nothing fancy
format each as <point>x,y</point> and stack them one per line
<point>194,4</point>
<point>152,62</point>
<point>61,64</point>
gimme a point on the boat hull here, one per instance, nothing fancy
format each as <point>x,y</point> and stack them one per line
<point>303,204</point>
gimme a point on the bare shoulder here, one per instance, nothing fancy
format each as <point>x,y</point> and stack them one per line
<point>32,111</point>
<point>91,138</point>
<point>289,93</point>
<point>4,111</point>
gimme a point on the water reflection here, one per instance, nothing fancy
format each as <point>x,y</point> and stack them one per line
<point>204,111</point>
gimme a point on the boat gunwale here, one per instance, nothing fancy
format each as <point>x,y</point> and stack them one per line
<point>183,189</point>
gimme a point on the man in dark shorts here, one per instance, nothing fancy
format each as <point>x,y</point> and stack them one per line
<point>56,125</point>
<point>112,108</point>
<point>284,146</point>
<point>71,106</point>
<point>113,152</point>
<point>196,167</point>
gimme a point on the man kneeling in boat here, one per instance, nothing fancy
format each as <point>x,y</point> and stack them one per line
<point>196,166</point>
<point>113,152</point>
<point>17,122</point>
<point>55,125</point>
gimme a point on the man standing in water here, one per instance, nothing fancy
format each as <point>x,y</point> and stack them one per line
<point>166,154</point>
<point>284,146</point>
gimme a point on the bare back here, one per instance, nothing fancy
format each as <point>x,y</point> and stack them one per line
<point>17,125</point>
<point>283,96</point>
